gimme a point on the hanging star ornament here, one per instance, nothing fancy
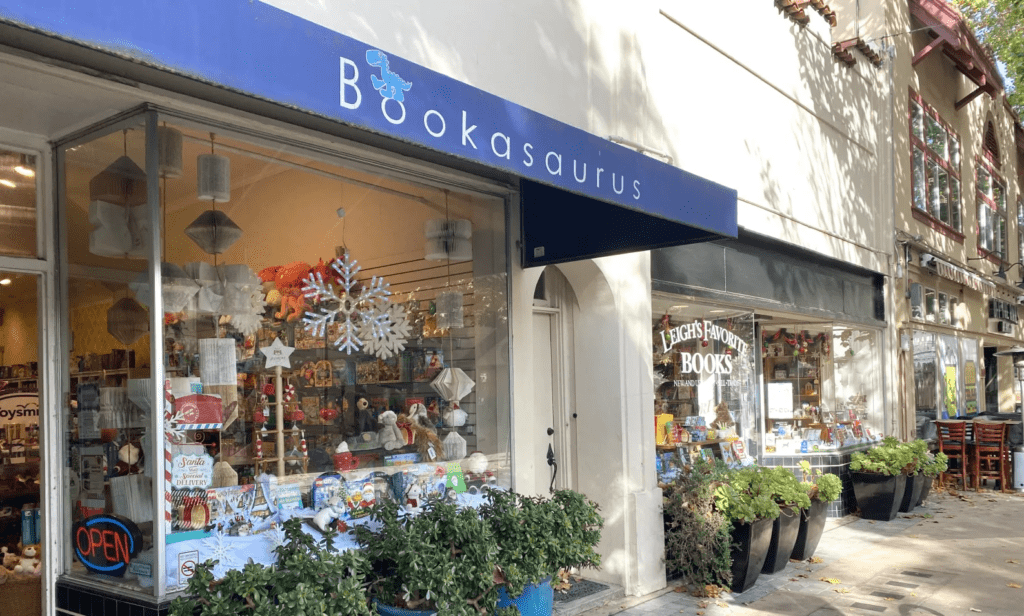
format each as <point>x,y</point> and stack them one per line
<point>277,354</point>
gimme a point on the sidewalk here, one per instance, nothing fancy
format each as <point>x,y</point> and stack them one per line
<point>956,555</point>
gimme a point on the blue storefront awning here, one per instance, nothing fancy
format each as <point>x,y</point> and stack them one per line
<point>583,196</point>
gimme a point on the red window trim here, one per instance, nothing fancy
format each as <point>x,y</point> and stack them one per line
<point>937,225</point>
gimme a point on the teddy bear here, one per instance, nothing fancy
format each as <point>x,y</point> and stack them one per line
<point>364,416</point>
<point>30,561</point>
<point>390,435</point>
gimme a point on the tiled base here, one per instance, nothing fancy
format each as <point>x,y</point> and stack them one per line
<point>836,463</point>
<point>74,599</point>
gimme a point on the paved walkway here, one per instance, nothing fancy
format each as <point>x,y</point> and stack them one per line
<point>959,554</point>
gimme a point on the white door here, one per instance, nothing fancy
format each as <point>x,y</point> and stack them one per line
<point>553,370</point>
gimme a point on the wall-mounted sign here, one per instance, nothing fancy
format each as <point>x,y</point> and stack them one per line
<point>191,471</point>
<point>106,543</point>
<point>268,53</point>
<point>19,408</point>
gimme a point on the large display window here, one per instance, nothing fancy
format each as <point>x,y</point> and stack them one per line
<point>822,386</point>
<point>947,375</point>
<point>328,337</point>
<point>704,383</point>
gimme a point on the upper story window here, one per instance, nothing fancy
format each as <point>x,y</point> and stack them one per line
<point>991,195</point>
<point>935,155</point>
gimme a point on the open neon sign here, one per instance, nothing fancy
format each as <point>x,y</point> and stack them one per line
<point>105,543</point>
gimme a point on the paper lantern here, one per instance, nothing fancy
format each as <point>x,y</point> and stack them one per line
<point>169,148</point>
<point>178,288</point>
<point>127,321</point>
<point>214,178</point>
<point>210,295</point>
<point>214,232</point>
<point>449,309</point>
<point>122,183</point>
<point>452,384</point>
<point>448,240</point>
<point>454,446</point>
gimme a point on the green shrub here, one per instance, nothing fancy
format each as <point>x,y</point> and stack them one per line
<point>935,464</point>
<point>890,458</point>
<point>309,579</point>
<point>747,496</point>
<point>825,487</point>
<point>786,489</point>
<point>697,536</point>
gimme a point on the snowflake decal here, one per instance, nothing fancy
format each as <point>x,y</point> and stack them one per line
<point>276,537</point>
<point>364,314</point>
<point>386,332</point>
<point>221,551</point>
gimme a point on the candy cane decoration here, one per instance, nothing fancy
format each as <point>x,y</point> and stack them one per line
<point>302,445</point>
<point>259,448</point>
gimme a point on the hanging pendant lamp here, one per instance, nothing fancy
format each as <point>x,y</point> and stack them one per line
<point>448,240</point>
<point>127,321</point>
<point>214,232</point>
<point>121,183</point>
<point>169,147</point>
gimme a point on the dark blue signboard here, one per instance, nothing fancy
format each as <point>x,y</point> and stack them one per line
<point>262,51</point>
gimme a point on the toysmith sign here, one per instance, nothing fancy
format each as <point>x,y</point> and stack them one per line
<point>271,54</point>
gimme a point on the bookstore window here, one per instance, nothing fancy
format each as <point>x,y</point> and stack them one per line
<point>330,338</point>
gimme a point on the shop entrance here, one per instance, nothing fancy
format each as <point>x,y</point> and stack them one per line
<point>553,370</point>
<point>20,516</point>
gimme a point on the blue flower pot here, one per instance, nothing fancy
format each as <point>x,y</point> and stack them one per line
<point>536,600</point>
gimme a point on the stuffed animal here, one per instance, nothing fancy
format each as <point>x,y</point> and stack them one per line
<point>29,560</point>
<point>10,559</point>
<point>129,460</point>
<point>413,498</point>
<point>426,440</point>
<point>455,416</point>
<point>364,416</point>
<point>390,435</point>
<point>287,280</point>
<point>723,420</point>
<point>418,416</point>
<point>334,510</point>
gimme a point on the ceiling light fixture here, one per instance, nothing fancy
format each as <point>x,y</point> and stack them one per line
<point>8,183</point>
<point>5,281</point>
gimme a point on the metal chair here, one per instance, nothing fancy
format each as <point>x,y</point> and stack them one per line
<point>989,453</point>
<point>954,443</point>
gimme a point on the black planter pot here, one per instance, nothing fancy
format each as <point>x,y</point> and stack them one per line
<point>912,493</point>
<point>785,529</point>
<point>928,479</point>
<point>812,524</point>
<point>749,549</point>
<point>878,496</point>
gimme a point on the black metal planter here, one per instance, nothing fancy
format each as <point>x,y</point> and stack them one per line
<point>912,493</point>
<point>785,529</point>
<point>749,549</point>
<point>928,479</point>
<point>878,496</point>
<point>812,524</point>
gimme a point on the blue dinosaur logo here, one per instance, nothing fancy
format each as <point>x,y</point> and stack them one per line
<point>390,85</point>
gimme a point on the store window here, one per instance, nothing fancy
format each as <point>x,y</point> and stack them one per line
<point>329,337</point>
<point>947,377</point>
<point>991,196</point>
<point>18,203</point>
<point>822,387</point>
<point>21,516</point>
<point>935,158</point>
<point>704,383</point>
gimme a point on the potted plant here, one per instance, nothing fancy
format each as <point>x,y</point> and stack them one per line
<point>933,466</point>
<point>310,578</point>
<point>747,503</point>
<point>822,489</point>
<point>442,560</point>
<point>537,538</point>
<point>915,479</point>
<point>697,535</point>
<point>792,500</point>
<point>879,478</point>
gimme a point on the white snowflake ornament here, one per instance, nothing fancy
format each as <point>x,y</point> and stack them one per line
<point>365,315</point>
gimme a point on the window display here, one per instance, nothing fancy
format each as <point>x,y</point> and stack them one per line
<point>822,387</point>
<point>330,338</point>
<point>704,382</point>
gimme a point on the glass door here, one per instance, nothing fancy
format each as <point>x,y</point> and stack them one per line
<point>21,518</point>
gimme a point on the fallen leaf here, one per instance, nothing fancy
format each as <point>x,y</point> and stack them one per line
<point>842,590</point>
<point>722,604</point>
<point>703,604</point>
<point>1013,562</point>
<point>801,575</point>
<point>815,559</point>
<point>1013,585</point>
<point>871,521</point>
<point>888,598</point>
<point>830,580</point>
<point>974,609</point>
<point>679,589</point>
<point>913,594</point>
<point>793,580</point>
